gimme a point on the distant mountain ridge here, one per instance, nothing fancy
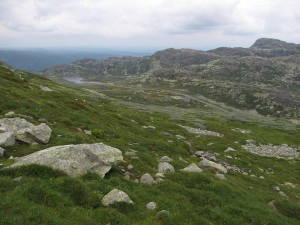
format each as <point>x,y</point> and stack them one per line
<point>265,77</point>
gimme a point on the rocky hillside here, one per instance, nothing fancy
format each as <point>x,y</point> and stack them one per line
<point>264,77</point>
<point>73,155</point>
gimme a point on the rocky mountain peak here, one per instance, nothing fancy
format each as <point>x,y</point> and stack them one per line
<point>270,43</point>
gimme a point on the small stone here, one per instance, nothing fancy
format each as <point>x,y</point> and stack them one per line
<point>151,206</point>
<point>165,159</point>
<point>44,88</point>
<point>127,175</point>
<point>229,156</point>
<point>157,175</point>
<point>162,213</point>
<point>159,180</point>
<point>147,179</point>
<point>289,185</point>
<point>136,181</point>
<point>182,160</point>
<point>18,179</point>
<point>283,194</point>
<point>272,205</point>
<point>206,163</point>
<point>130,167</point>
<point>245,173</point>
<point>43,120</point>
<point>87,132</point>
<point>229,149</point>
<point>252,175</point>
<point>192,168</point>
<point>116,196</point>
<point>79,129</point>
<point>220,176</point>
<point>11,113</point>
<point>251,142</point>
<point>130,153</point>
<point>261,177</point>
<point>11,157</point>
<point>179,137</point>
<point>165,167</point>
<point>276,188</point>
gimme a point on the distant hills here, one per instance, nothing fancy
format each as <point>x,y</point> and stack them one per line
<point>37,59</point>
<point>264,77</point>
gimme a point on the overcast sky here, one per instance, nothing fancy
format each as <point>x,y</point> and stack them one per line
<point>146,24</point>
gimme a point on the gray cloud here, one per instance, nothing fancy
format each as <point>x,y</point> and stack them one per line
<point>148,22</point>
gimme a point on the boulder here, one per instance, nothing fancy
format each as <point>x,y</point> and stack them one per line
<point>192,168</point>
<point>229,149</point>
<point>14,124</point>
<point>40,134</point>
<point>220,176</point>
<point>147,179</point>
<point>7,139</point>
<point>151,206</point>
<point>116,196</point>
<point>206,163</point>
<point>165,167</point>
<point>75,160</point>
<point>165,159</point>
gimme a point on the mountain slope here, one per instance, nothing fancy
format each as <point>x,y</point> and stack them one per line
<point>264,77</point>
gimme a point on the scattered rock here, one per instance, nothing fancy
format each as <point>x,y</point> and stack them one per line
<point>251,142</point>
<point>116,196</point>
<point>182,160</point>
<point>165,167</point>
<point>40,134</point>
<point>159,175</point>
<point>2,150</point>
<point>44,88</point>
<point>276,188</point>
<point>159,180</point>
<point>272,205</point>
<point>87,132</point>
<point>127,175</point>
<point>11,113</point>
<point>201,132</point>
<point>151,206</point>
<point>207,155</point>
<point>18,179</point>
<point>75,160</point>
<point>7,139</point>
<point>280,151</point>
<point>192,168</point>
<point>131,153</point>
<point>220,176</point>
<point>283,194</point>
<point>161,214</point>
<point>229,156</point>
<point>261,177</point>
<point>206,163</point>
<point>149,127</point>
<point>179,137</point>
<point>11,157</point>
<point>229,149</point>
<point>242,131</point>
<point>289,185</point>
<point>43,120</point>
<point>165,159</point>
<point>130,167</point>
<point>147,179</point>
<point>79,129</point>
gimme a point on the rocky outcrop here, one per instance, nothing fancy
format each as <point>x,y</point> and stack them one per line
<point>75,160</point>
<point>116,196</point>
<point>277,151</point>
<point>17,129</point>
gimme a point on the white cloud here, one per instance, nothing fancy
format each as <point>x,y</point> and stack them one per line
<point>112,21</point>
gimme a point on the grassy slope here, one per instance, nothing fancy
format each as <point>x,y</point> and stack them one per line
<point>45,196</point>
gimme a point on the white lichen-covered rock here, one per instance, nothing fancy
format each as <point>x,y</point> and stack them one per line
<point>229,149</point>
<point>201,131</point>
<point>75,160</point>
<point>7,139</point>
<point>206,163</point>
<point>165,167</point>
<point>116,196</point>
<point>192,168</point>
<point>40,134</point>
<point>147,179</point>
<point>14,124</point>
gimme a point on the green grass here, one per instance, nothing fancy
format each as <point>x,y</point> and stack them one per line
<point>47,196</point>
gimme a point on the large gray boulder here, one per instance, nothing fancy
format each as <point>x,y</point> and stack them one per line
<point>165,167</point>
<point>7,139</point>
<point>116,196</point>
<point>40,134</point>
<point>75,160</point>
<point>206,163</point>
<point>21,130</point>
